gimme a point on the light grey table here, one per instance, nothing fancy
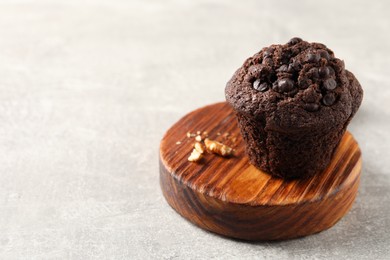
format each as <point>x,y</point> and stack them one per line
<point>89,87</point>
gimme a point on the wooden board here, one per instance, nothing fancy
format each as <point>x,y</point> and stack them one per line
<point>231,197</point>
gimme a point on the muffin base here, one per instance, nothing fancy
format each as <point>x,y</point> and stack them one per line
<point>289,155</point>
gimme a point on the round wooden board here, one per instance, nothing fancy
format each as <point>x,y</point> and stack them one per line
<point>231,197</point>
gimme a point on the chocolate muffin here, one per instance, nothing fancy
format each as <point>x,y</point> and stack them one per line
<point>293,103</point>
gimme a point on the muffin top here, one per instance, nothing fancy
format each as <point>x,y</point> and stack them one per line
<point>295,85</point>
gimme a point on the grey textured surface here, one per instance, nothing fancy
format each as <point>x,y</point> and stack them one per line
<point>89,87</point>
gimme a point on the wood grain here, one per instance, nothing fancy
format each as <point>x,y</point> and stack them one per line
<point>231,197</point>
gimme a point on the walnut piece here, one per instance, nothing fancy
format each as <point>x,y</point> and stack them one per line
<point>218,148</point>
<point>195,156</point>
<point>199,147</point>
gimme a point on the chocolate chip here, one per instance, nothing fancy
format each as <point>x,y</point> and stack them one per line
<point>260,86</point>
<point>324,54</point>
<point>283,68</point>
<point>331,71</point>
<point>268,52</point>
<point>256,84</point>
<point>330,84</point>
<point>311,107</point>
<point>267,61</point>
<point>304,83</point>
<point>263,87</point>
<point>312,57</point>
<point>329,99</point>
<point>314,73</point>
<point>294,66</point>
<point>290,68</point>
<point>294,41</point>
<point>324,72</point>
<point>292,92</point>
<point>285,85</point>
<point>275,86</point>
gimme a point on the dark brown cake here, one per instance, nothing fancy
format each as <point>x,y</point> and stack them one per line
<point>293,103</point>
